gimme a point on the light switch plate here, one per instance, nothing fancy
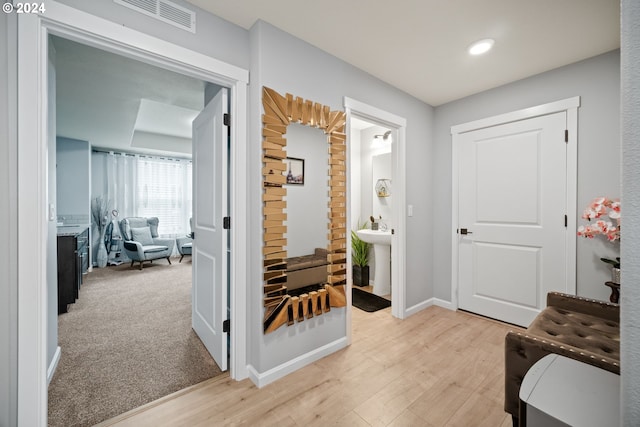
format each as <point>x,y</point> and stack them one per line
<point>409,210</point>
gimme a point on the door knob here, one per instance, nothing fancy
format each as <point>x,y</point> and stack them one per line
<point>465,231</point>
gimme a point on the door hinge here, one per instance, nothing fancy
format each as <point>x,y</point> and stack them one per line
<point>566,135</point>
<point>566,220</point>
<point>226,326</point>
<point>226,222</point>
<point>226,119</point>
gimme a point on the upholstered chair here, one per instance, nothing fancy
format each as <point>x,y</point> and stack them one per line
<point>579,328</point>
<point>185,244</point>
<point>141,241</point>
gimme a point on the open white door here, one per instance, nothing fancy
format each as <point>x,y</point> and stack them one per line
<point>209,288</point>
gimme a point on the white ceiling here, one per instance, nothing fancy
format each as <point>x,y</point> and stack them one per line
<point>420,46</point>
<point>121,104</point>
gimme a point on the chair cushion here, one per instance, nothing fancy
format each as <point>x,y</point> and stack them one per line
<point>138,222</point>
<point>142,235</point>
<point>153,225</point>
<point>186,248</point>
<point>154,248</point>
<point>579,328</point>
<point>584,331</point>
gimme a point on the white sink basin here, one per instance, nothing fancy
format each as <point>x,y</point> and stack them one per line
<point>381,241</point>
<point>375,237</point>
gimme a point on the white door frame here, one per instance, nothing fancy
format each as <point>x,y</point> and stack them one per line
<point>65,21</point>
<point>357,109</point>
<point>570,106</point>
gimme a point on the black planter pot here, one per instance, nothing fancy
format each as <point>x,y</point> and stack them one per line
<point>361,275</point>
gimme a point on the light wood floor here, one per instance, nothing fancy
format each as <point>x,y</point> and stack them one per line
<point>436,368</point>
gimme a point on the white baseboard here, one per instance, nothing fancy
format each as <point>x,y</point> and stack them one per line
<point>444,304</point>
<point>428,303</point>
<point>418,307</point>
<point>54,365</point>
<point>265,378</point>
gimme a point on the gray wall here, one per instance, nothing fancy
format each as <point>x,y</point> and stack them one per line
<point>73,180</point>
<point>287,64</point>
<point>8,223</point>
<point>630,339</point>
<point>597,82</point>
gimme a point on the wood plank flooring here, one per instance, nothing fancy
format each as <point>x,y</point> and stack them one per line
<point>436,368</point>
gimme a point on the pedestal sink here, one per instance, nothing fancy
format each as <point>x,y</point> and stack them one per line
<point>381,241</point>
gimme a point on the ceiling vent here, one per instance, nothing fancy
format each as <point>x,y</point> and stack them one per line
<point>165,11</point>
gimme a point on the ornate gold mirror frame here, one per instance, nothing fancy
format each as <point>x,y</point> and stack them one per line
<point>279,112</point>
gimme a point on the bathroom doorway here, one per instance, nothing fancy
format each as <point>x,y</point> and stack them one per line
<point>377,199</point>
<point>371,203</point>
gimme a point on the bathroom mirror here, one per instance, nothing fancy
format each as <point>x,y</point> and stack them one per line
<point>310,280</point>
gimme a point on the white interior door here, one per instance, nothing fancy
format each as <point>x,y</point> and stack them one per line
<point>512,207</point>
<point>209,288</point>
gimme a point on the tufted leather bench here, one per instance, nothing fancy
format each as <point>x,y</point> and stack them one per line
<point>579,328</point>
<point>307,269</point>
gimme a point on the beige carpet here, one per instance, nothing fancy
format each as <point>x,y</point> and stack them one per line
<point>127,341</point>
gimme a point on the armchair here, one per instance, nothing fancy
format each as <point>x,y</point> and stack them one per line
<point>141,241</point>
<point>185,244</point>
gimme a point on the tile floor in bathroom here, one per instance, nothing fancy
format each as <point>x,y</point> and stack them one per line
<point>370,290</point>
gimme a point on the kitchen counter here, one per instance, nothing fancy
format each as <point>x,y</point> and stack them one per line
<point>71,230</point>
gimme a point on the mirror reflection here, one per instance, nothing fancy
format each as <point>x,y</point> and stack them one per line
<point>307,208</point>
<point>304,209</point>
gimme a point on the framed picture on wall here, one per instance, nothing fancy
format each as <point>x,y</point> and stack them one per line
<point>295,171</point>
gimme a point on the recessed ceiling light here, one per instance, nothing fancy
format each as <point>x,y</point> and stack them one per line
<point>482,46</point>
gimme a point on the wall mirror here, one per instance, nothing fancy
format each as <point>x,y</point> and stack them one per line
<point>304,209</point>
<point>307,169</point>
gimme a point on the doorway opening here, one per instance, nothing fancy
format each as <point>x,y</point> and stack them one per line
<point>130,329</point>
<point>33,147</point>
<point>379,135</point>
<point>371,206</point>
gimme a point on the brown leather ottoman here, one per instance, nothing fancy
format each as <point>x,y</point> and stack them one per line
<point>579,328</point>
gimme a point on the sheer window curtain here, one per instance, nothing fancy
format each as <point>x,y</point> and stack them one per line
<point>122,178</point>
<point>148,186</point>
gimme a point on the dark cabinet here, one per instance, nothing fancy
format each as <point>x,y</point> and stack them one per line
<point>73,261</point>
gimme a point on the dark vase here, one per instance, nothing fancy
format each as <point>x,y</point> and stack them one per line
<point>361,275</point>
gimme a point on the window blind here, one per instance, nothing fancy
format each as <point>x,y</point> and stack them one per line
<point>164,191</point>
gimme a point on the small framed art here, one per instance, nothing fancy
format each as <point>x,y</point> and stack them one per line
<point>295,171</point>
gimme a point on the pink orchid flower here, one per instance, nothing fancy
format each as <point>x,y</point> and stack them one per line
<point>598,208</point>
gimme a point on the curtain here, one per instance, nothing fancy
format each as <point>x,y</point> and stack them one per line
<point>144,186</point>
<point>121,179</point>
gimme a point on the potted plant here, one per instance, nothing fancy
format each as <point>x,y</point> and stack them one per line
<point>360,258</point>
<point>600,208</point>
